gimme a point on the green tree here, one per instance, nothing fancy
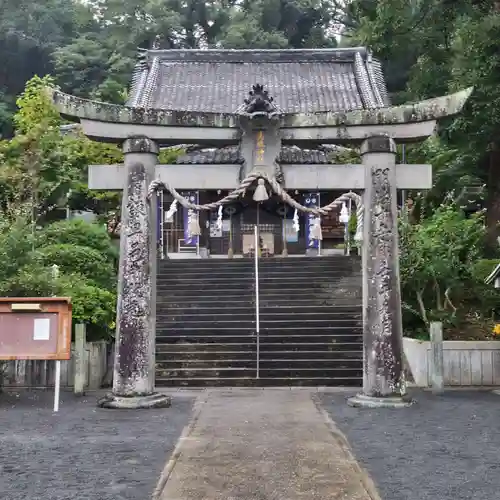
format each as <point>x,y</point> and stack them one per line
<point>29,34</point>
<point>436,262</point>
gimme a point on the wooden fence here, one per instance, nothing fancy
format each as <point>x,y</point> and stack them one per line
<point>41,374</point>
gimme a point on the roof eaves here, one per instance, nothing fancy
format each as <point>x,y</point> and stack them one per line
<point>150,85</point>
<point>374,81</point>
<point>363,82</point>
<point>139,78</point>
<point>378,80</point>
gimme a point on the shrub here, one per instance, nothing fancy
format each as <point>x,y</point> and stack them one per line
<point>80,233</point>
<point>92,305</point>
<point>15,247</point>
<point>83,260</point>
<point>87,261</point>
<point>436,259</point>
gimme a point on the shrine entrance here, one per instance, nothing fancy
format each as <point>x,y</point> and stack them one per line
<point>273,129</point>
<point>282,230</point>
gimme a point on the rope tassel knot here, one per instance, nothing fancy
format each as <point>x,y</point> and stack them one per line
<point>260,193</point>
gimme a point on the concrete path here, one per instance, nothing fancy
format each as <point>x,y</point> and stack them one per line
<point>263,444</point>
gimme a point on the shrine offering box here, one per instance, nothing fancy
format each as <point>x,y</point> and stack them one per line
<point>35,328</point>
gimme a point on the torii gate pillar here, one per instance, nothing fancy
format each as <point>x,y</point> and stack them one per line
<point>134,370</point>
<point>383,374</point>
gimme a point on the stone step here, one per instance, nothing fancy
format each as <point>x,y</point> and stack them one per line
<point>299,276</point>
<point>250,271</point>
<point>286,367</point>
<point>209,292</point>
<point>248,315</point>
<point>264,362</point>
<point>264,262</point>
<point>267,349</point>
<point>283,328</point>
<point>269,286</point>
<point>252,381</point>
<point>284,292</point>
<point>277,302</point>
<point>235,324</point>
<point>344,293</point>
<point>310,321</point>
<point>240,310</point>
<point>269,356</point>
<point>226,337</point>
<point>164,372</point>
<point>228,270</point>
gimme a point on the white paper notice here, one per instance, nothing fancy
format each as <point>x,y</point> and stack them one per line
<point>41,329</point>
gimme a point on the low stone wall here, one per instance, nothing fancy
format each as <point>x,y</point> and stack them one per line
<point>466,363</point>
<point>41,374</point>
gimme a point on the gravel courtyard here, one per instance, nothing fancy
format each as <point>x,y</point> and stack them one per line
<point>443,448</point>
<point>83,452</point>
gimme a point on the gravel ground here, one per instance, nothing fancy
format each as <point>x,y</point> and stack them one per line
<point>443,448</point>
<point>83,452</point>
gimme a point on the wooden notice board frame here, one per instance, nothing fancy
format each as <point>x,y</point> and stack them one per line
<point>35,328</point>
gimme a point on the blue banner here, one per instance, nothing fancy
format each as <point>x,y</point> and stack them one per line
<point>193,197</point>
<point>311,200</point>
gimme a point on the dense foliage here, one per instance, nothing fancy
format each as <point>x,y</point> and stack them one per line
<point>86,258</point>
<point>42,170</point>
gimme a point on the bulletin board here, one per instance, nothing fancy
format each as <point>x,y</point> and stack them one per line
<point>35,328</point>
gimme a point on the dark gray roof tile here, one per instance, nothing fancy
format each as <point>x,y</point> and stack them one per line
<point>304,81</point>
<point>231,155</point>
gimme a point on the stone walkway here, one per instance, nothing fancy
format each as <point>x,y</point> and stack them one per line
<point>254,444</point>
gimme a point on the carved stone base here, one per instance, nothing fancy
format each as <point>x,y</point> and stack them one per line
<point>155,400</point>
<point>362,401</point>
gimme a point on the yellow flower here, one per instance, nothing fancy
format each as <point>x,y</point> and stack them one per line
<point>496,329</point>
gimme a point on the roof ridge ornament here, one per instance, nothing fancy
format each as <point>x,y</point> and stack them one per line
<point>259,103</point>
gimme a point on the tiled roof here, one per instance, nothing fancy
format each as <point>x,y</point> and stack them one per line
<point>231,155</point>
<point>305,81</point>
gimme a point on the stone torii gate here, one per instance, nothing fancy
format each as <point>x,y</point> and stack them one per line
<point>142,131</point>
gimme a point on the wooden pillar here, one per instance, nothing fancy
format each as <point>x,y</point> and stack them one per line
<point>383,374</point>
<point>134,370</point>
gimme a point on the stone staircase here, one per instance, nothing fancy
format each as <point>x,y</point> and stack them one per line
<point>310,322</point>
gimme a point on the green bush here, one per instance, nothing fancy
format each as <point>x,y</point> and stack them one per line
<point>92,305</point>
<point>31,280</point>
<point>436,261</point>
<point>87,261</point>
<point>82,260</point>
<point>80,233</point>
<point>15,246</point>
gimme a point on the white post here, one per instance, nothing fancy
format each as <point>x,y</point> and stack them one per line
<point>437,361</point>
<point>257,305</point>
<point>57,386</point>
